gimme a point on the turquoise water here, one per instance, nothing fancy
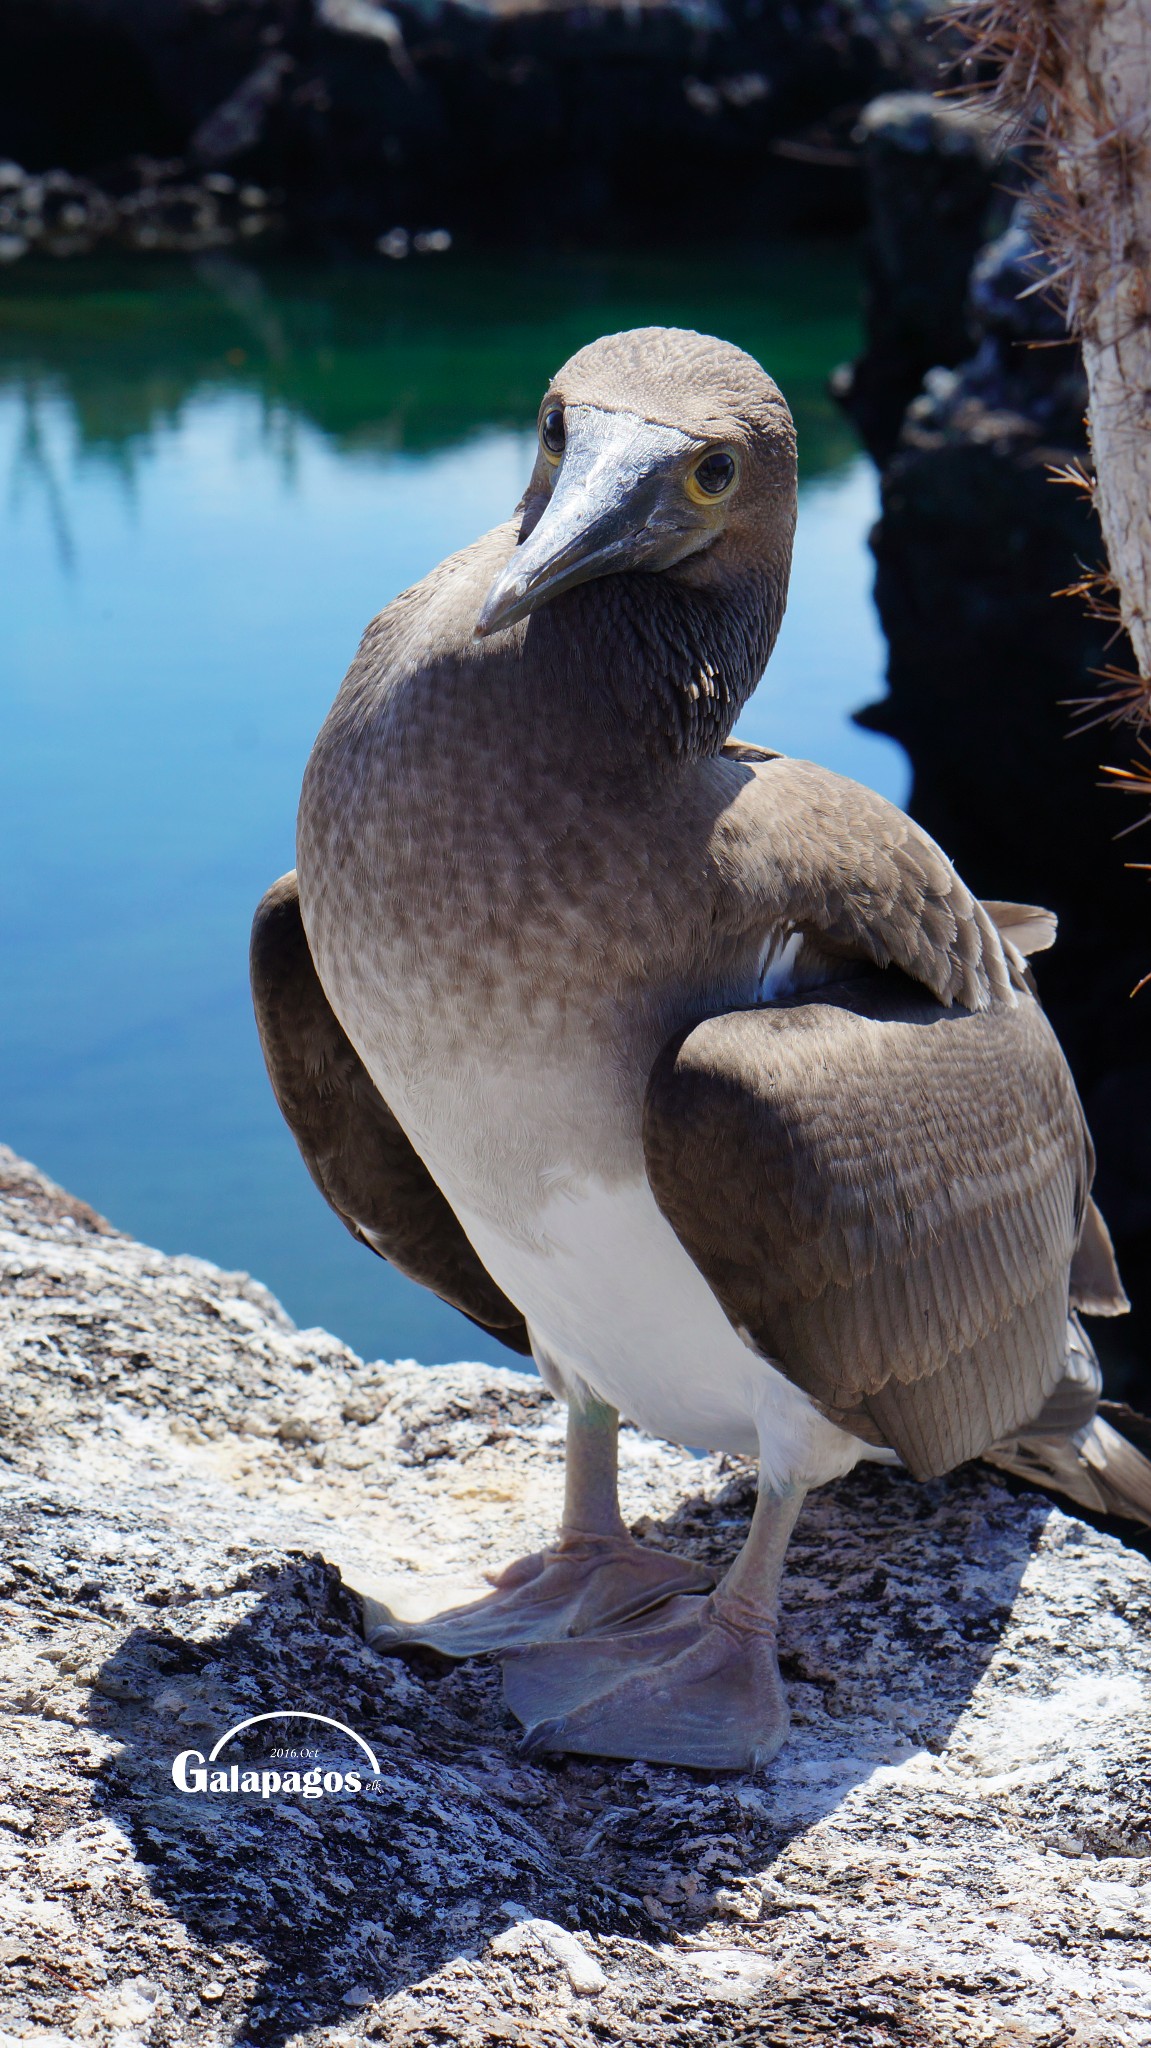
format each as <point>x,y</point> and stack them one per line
<point>210,478</point>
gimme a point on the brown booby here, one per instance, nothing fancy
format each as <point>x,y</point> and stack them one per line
<point>693,1069</point>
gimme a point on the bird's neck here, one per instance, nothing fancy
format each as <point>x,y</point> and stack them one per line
<point>662,668</point>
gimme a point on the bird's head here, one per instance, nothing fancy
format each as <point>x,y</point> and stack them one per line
<point>667,459</point>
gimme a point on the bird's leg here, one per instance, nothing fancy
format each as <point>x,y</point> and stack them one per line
<point>591,1471</point>
<point>597,1577</point>
<point>697,1683</point>
<point>617,1577</point>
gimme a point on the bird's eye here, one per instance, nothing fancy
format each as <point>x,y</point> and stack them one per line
<point>552,434</point>
<point>713,476</point>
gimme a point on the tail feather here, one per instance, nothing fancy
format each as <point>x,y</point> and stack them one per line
<point>1096,1289</point>
<point>1025,925</point>
<point>1096,1452</point>
<point>1098,1467</point>
<point>1135,1427</point>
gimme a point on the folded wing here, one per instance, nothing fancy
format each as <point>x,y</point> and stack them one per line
<point>887,1195</point>
<point>351,1144</point>
<point>811,852</point>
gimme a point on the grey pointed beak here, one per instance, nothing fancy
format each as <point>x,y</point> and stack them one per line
<point>617,503</point>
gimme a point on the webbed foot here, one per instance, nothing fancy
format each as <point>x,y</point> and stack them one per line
<point>691,1686</point>
<point>585,1586</point>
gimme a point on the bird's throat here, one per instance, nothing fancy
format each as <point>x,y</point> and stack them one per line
<point>660,664</point>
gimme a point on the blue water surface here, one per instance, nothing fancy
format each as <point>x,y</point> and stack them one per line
<point>210,478</point>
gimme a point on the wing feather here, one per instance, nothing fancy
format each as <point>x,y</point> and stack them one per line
<point>355,1150</point>
<point>800,847</point>
<point>886,1196</point>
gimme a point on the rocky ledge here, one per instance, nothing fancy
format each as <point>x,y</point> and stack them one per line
<point>953,1848</point>
<point>160,209</point>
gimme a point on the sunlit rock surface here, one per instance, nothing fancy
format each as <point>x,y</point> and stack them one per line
<point>953,1847</point>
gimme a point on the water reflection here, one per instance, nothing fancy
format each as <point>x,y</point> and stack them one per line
<point>412,356</point>
<point>213,476</point>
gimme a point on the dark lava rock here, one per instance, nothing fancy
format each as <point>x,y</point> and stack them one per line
<point>937,178</point>
<point>62,215</point>
<point>986,670</point>
<point>56,214</point>
<point>538,118</point>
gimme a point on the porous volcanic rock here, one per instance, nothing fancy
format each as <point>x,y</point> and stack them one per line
<point>953,1848</point>
<point>158,207</point>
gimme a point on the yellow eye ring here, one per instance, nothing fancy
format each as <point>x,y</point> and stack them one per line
<point>715,476</point>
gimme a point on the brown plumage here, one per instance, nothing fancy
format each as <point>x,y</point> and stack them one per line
<point>350,1142</point>
<point>698,1069</point>
<point>919,1306</point>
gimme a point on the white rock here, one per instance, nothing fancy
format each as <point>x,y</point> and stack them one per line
<point>729,1974</point>
<point>583,1971</point>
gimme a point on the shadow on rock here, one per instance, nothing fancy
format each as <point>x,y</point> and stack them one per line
<point>314,1907</point>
